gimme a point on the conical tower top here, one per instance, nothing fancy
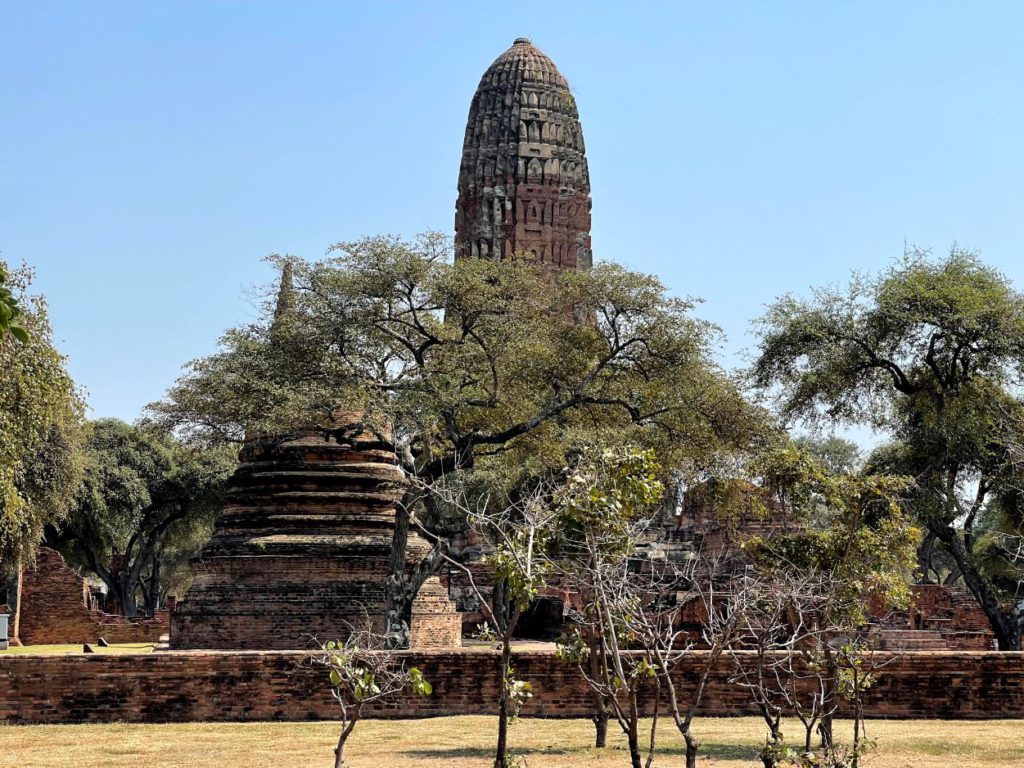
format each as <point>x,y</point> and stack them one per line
<point>524,185</point>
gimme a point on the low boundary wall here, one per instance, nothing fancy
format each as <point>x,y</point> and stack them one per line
<point>282,685</point>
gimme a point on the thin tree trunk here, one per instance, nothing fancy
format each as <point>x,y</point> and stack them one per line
<point>396,585</point>
<point>774,729</point>
<point>600,720</point>
<point>828,698</point>
<point>501,750</point>
<point>601,715</point>
<point>633,740</point>
<point>654,723</point>
<point>692,746</point>
<point>339,751</point>
<point>17,607</point>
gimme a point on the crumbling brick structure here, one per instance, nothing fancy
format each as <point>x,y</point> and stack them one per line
<point>939,618</point>
<point>55,609</point>
<point>524,185</point>
<point>302,549</point>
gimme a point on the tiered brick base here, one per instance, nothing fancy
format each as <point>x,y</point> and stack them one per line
<point>282,685</point>
<point>939,618</point>
<point>55,609</point>
<point>301,551</point>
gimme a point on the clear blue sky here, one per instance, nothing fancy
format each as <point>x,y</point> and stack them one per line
<point>152,153</point>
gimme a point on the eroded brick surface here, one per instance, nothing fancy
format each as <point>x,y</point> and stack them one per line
<point>302,548</point>
<point>55,609</point>
<point>282,685</point>
<point>524,185</point>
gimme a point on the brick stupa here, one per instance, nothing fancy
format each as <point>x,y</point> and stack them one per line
<point>301,550</point>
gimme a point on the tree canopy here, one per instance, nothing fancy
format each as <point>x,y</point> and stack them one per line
<point>931,351</point>
<point>142,495</point>
<point>40,416</point>
<point>10,309</point>
<point>472,364</point>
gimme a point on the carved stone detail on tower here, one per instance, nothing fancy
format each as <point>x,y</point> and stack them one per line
<point>524,186</point>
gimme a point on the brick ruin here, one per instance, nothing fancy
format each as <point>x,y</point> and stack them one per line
<point>939,618</point>
<point>302,548</point>
<point>57,608</point>
<point>524,185</point>
<point>303,544</point>
<point>282,685</point>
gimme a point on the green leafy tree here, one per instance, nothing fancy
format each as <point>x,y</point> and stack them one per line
<point>479,364</point>
<point>856,552</point>
<point>142,492</point>
<point>40,419</point>
<point>363,672</point>
<point>10,309</point>
<point>605,509</point>
<point>836,454</point>
<point>931,352</point>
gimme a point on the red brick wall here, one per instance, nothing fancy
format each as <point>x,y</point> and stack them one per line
<point>281,685</point>
<point>435,623</point>
<point>54,609</point>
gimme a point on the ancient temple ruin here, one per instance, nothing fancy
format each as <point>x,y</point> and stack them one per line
<point>302,548</point>
<point>524,186</point>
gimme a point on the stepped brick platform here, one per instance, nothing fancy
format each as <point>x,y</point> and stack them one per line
<point>939,618</point>
<point>301,550</point>
<point>55,609</point>
<point>282,685</point>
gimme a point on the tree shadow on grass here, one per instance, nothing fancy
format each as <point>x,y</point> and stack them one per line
<point>484,752</point>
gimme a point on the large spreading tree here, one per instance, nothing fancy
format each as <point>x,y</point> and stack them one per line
<point>40,417</point>
<point>475,364</point>
<point>931,353</point>
<point>143,498</point>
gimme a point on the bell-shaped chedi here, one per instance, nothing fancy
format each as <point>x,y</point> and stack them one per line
<point>302,549</point>
<point>524,186</point>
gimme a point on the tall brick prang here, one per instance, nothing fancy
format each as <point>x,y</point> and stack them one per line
<point>524,186</point>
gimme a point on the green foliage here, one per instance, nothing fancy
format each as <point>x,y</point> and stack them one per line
<point>419,684</point>
<point>931,351</point>
<point>924,327</point>
<point>474,363</point>
<point>864,539</point>
<point>518,692</point>
<point>143,492</point>
<point>835,453</point>
<point>358,678</point>
<point>606,492</point>
<point>10,309</point>
<point>40,418</point>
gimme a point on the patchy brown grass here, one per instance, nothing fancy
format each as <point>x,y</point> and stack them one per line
<point>465,742</point>
<point>63,650</point>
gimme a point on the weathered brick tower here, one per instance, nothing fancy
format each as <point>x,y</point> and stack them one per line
<point>524,184</point>
<point>302,549</point>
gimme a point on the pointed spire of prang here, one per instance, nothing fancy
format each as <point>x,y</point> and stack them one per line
<point>285,292</point>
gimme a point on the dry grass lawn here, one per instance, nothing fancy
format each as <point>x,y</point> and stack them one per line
<point>63,650</point>
<point>464,742</point>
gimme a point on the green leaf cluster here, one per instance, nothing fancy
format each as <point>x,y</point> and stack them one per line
<point>10,310</point>
<point>40,429</point>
